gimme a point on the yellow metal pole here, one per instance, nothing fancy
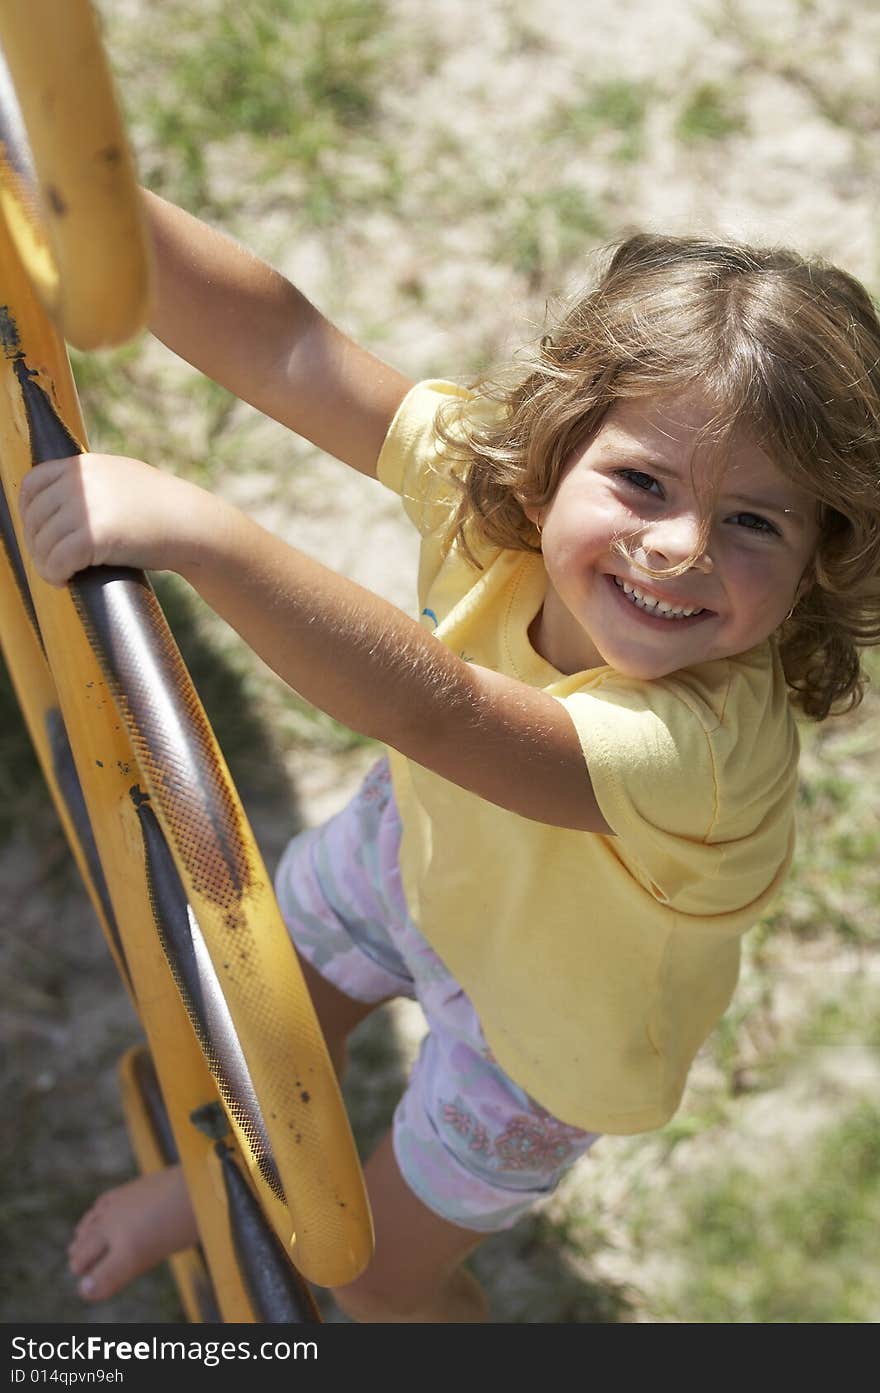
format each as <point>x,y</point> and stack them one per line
<point>141,786</point>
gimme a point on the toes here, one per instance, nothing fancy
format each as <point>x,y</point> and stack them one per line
<point>103,1263</point>
<point>91,1217</point>
<point>89,1244</point>
<point>104,1279</point>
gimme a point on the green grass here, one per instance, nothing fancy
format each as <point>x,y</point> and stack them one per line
<point>850,1016</point>
<point>792,1243</point>
<point>617,107</point>
<point>297,80</point>
<point>107,386</point>
<point>835,881</point>
<point>546,229</point>
<point>709,113</point>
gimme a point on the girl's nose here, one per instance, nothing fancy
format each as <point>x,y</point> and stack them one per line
<point>669,541</point>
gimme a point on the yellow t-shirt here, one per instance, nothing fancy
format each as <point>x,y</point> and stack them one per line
<point>597,965</point>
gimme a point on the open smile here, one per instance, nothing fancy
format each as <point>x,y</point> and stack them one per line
<point>652,608</point>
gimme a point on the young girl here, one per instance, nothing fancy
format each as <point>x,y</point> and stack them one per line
<point>636,562</point>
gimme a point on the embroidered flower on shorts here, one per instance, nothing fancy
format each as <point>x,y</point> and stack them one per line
<point>466,1125</point>
<point>528,1143</point>
<point>536,1143</point>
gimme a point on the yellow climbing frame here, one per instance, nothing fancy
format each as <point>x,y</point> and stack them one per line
<point>237,1081</point>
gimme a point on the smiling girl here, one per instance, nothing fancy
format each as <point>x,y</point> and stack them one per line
<point>638,560</point>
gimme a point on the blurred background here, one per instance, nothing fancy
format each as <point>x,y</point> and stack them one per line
<point>434,176</point>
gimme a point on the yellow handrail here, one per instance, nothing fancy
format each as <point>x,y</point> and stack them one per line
<point>142,789</point>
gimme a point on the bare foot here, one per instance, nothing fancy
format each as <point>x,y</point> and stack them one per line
<point>129,1230</point>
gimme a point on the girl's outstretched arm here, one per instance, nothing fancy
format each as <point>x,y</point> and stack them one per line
<point>343,648</point>
<point>243,324</point>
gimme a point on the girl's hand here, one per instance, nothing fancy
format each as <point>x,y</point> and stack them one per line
<point>107,510</point>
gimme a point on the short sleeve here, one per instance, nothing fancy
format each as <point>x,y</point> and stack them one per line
<point>422,466</point>
<point>414,462</point>
<point>698,784</point>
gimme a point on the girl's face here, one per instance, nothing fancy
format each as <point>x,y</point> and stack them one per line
<point>634,481</point>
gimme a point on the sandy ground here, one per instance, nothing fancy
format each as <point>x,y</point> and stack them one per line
<point>422,281</point>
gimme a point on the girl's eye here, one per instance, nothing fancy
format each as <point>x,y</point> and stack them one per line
<point>639,480</point>
<point>753,522</point>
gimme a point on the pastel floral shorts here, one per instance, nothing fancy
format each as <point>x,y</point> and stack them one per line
<point>471,1144</point>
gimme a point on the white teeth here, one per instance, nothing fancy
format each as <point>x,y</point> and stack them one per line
<point>652,604</point>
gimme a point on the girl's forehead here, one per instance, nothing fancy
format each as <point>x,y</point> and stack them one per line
<point>675,431</point>
<point>664,423</point>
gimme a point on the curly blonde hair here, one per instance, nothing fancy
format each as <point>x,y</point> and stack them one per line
<point>783,346</point>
